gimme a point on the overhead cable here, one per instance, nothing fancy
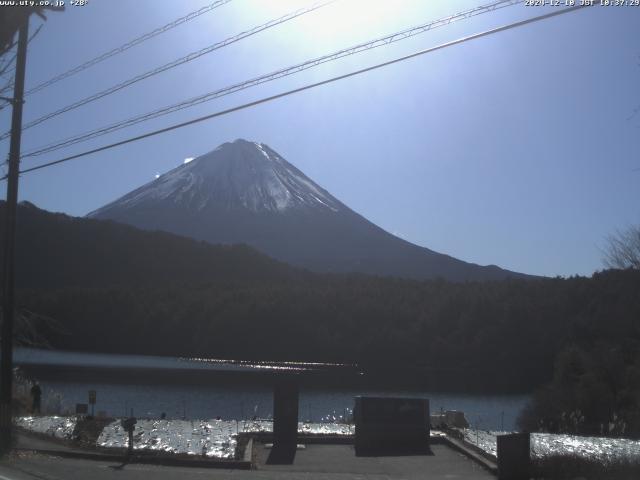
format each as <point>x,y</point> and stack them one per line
<point>153,133</point>
<point>378,42</point>
<point>173,64</point>
<point>127,46</point>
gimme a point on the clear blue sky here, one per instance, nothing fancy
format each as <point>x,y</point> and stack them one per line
<point>519,149</point>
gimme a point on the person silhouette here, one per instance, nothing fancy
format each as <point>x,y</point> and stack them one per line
<point>36,393</point>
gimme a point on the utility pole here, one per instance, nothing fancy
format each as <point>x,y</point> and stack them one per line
<point>8,287</point>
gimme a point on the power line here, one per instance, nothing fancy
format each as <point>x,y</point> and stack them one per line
<point>6,69</point>
<point>381,41</point>
<point>173,64</point>
<point>8,86</point>
<point>306,87</point>
<point>127,46</point>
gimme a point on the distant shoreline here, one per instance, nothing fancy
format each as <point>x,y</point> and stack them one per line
<point>84,367</point>
<point>195,377</point>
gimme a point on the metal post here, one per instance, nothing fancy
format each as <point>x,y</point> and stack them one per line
<point>8,305</point>
<point>130,446</point>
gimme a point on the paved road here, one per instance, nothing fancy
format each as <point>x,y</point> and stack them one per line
<point>41,467</point>
<point>65,469</point>
<point>317,462</point>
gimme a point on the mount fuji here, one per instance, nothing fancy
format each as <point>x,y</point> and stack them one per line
<point>245,192</point>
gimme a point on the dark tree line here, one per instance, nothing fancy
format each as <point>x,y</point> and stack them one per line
<point>477,336</point>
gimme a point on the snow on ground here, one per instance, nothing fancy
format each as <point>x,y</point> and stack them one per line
<point>604,449</point>
<point>217,438</point>
<point>483,440</point>
<point>213,438</point>
<point>59,427</point>
<point>327,428</point>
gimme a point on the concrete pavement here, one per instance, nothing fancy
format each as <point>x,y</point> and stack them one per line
<point>315,462</point>
<point>38,457</point>
<point>338,461</point>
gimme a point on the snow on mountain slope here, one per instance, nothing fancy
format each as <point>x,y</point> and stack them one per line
<point>237,175</point>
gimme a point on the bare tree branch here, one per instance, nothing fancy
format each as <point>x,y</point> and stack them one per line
<point>623,249</point>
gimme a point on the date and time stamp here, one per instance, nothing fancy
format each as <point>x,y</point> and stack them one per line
<point>44,3</point>
<point>585,3</point>
<point>527,3</point>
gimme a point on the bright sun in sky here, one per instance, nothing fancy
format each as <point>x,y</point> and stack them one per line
<point>338,16</point>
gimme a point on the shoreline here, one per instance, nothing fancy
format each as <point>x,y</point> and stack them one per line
<point>75,366</point>
<point>313,380</point>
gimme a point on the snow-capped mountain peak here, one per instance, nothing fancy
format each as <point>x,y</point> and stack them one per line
<point>245,192</point>
<point>239,174</point>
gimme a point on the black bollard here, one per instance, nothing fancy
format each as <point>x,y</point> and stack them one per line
<point>129,424</point>
<point>130,449</point>
<point>285,421</point>
<point>514,456</point>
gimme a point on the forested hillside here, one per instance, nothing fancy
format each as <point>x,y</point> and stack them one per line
<point>54,250</point>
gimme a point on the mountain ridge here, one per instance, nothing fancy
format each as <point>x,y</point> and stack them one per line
<point>55,250</point>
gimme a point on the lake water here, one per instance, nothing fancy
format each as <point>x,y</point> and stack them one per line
<point>486,412</point>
